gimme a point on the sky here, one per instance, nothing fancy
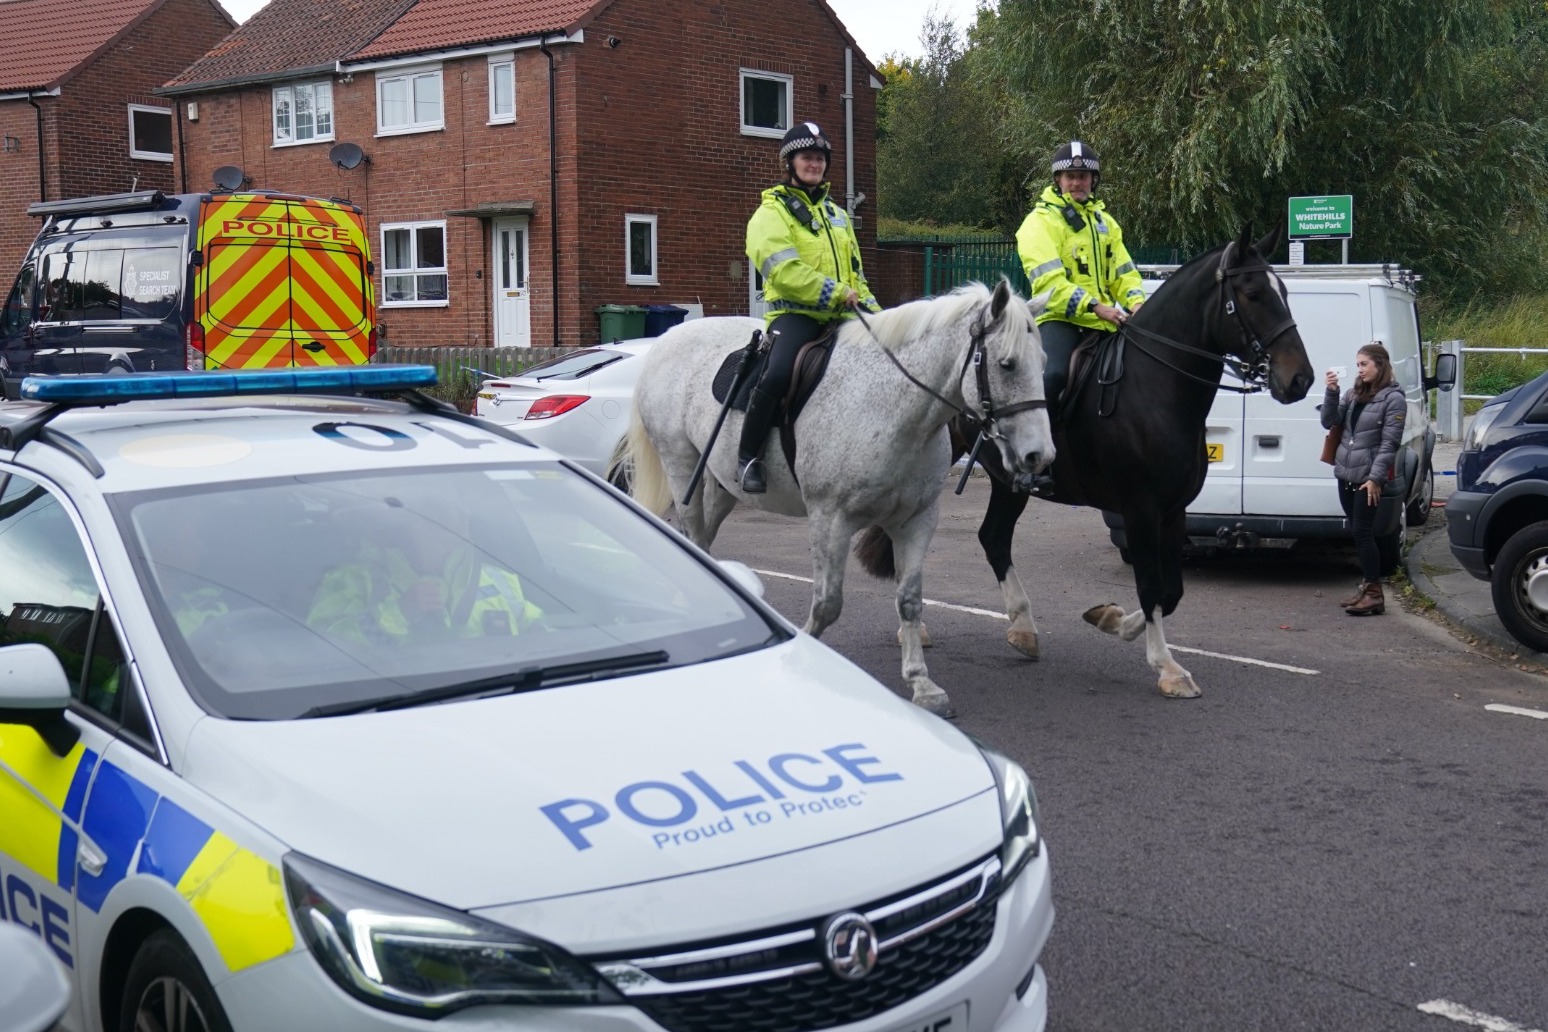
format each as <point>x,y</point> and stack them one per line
<point>881,27</point>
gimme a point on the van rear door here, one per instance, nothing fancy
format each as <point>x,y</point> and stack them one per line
<point>284,281</point>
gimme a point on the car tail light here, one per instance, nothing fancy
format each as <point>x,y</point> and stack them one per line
<point>195,342</point>
<point>555,405</point>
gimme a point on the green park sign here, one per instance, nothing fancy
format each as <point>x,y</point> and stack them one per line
<point>1322,218</point>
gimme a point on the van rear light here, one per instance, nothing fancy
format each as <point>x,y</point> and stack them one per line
<point>195,341</point>
<point>371,345</point>
<point>555,405</point>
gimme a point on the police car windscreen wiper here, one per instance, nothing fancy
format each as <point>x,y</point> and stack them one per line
<point>526,679</point>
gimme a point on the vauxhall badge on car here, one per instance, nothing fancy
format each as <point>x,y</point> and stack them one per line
<point>849,946</point>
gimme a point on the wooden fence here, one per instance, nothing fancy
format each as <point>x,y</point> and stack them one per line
<point>456,364</point>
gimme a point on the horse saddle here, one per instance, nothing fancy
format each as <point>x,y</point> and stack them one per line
<point>1099,354</point>
<point>811,363</point>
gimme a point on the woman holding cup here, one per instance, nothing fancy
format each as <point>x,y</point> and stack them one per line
<point>1372,413</point>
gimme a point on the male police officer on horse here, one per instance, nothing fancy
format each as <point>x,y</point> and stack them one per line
<point>805,248</point>
<point>1071,247</point>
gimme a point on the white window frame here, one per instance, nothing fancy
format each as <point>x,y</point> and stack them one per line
<point>148,155</point>
<point>787,81</point>
<point>417,270</point>
<point>290,90</point>
<point>631,278</point>
<point>506,60</point>
<point>410,75</point>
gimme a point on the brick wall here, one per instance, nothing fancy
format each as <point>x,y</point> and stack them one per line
<point>86,127</point>
<point>896,274</point>
<point>648,127</point>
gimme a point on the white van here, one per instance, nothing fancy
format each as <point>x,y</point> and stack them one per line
<point>1267,486</point>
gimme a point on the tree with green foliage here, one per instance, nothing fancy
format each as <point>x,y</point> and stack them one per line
<point>1210,112</point>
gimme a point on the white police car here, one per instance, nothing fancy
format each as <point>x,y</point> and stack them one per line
<point>327,711</point>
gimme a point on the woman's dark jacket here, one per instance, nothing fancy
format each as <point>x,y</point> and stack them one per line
<point>1368,448</point>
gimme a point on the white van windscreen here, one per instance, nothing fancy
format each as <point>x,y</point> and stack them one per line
<point>110,285</point>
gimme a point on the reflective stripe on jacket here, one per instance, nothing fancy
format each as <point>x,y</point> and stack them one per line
<point>1367,449</point>
<point>1079,267</point>
<point>806,264</point>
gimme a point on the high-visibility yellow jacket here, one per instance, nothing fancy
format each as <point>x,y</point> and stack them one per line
<point>807,253</point>
<point>1078,266</point>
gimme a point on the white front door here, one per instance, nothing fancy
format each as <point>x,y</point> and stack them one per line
<point>512,304</point>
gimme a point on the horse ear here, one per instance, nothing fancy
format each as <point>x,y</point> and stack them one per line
<point>1039,303</point>
<point>1244,239</point>
<point>1002,296</point>
<point>1270,243</point>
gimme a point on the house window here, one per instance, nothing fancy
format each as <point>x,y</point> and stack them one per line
<point>150,133</point>
<point>303,113</point>
<point>640,250</point>
<point>502,88</point>
<point>765,103</point>
<point>414,264</point>
<point>409,101</point>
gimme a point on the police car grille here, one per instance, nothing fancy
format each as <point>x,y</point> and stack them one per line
<point>821,1000</point>
<point>778,982</point>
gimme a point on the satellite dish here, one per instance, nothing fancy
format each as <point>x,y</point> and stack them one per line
<point>230,177</point>
<point>346,155</point>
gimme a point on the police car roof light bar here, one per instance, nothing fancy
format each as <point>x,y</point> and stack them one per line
<point>110,389</point>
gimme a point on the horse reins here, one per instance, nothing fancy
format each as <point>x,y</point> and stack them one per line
<point>1252,373</point>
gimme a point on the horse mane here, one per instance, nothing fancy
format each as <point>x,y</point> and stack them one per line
<point>897,326</point>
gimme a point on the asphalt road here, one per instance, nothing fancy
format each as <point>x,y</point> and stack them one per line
<point>1338,835</point>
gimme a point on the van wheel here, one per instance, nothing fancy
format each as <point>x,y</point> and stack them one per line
<point>167,990</point>
<point>1419,508</point>
<point>1520,586</point>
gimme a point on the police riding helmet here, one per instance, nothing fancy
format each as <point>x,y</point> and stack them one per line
<point>1077,157</point>
<point>800,137</point>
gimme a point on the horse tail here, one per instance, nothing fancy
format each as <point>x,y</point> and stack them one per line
<point>648,485</point>
<point>874,551</point>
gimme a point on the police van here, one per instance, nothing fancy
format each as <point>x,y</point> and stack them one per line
<point>148,281</point>
<point>1266,485</point>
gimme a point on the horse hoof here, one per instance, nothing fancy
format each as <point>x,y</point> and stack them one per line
<point>1180,686</point>
<point>1024,642</point>
<point>1106,617</point>
<point>937,702</point>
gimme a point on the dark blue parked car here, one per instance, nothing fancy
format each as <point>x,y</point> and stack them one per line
<point>1498,516</point>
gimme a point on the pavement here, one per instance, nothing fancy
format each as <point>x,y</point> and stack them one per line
<point>1462,601</point>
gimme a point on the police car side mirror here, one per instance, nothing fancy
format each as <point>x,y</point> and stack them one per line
<point>35,692</point>
<point>1445,373</point>
<point>743,575</point>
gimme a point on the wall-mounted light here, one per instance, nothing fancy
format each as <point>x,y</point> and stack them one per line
<point>613,41</point>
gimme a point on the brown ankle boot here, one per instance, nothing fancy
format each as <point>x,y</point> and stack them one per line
<point>1356,597</point>
<point>1372,603</point>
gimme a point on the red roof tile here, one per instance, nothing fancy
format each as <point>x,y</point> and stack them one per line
<point>440,24</point>
<point>42,42</point>
<point>291,35</point>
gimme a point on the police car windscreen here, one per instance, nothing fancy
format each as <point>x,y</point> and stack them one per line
<point>277,598</point>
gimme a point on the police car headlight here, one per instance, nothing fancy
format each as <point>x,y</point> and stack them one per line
<point>409,955</point>
<point>1018,811</point>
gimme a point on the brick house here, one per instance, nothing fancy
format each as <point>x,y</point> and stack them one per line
<point>77,112</point>
<point>525,161</point>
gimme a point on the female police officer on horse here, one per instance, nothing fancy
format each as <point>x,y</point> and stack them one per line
<point>805,248</point>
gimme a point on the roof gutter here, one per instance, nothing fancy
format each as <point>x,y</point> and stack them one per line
<point>236,81</point>
<point>539,41</point>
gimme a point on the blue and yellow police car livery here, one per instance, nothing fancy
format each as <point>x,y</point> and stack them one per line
<point>648,804</point>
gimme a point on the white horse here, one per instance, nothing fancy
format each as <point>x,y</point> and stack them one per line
<point>871,446</point>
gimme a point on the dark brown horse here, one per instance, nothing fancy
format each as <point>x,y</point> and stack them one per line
<point>1131,441</point>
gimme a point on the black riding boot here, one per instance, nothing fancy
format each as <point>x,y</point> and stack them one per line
<point>761,408</point>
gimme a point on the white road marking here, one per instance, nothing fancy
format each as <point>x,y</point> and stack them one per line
<point>1495,707</point>
<point>1001,616</point>
<point>1467,1016</point>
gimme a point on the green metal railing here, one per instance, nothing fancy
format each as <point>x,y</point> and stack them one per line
<point>951,261</point>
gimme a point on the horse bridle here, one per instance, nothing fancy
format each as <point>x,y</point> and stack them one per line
<point>1254,371</point>
<point>989,415</point>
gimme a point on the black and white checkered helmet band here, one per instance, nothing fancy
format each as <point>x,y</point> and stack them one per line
<point>1075,157</point>
<point>805,136</point>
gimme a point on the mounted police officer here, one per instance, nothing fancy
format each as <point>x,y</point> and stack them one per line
<point>1073,249</point>
<point>805,248</point>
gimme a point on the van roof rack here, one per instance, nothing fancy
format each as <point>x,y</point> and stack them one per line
<point>1393,275</point>
<point>137,201</point>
